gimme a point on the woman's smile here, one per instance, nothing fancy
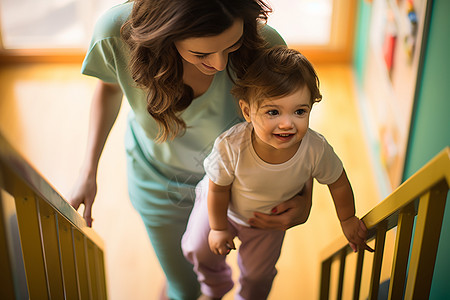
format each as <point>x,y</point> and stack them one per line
<point>208,67</point>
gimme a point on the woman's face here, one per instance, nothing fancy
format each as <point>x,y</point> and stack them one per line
<point>210,54</point>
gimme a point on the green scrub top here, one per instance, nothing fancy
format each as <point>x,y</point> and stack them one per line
<point>179,160</point>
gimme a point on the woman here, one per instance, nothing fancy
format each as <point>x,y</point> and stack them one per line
<point>174,61</point>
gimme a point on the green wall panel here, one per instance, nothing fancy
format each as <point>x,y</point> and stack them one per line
<point>361,38</point>
<point>430,131</point>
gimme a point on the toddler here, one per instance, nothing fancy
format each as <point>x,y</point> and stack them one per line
<point>258,164</point>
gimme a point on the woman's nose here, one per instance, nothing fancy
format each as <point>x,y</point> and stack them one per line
<point>219,61</point>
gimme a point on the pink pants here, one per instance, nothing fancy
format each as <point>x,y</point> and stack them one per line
<point>257,256</point>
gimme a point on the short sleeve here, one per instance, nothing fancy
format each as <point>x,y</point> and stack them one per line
<point>99,61</point>
<point>106,44</point>
<point>328,166</point>
<point>220,163</point>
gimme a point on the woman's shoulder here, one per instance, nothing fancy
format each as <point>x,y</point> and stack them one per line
<point>271,35</point>
<point>110,22</point>
<point>237,131</point>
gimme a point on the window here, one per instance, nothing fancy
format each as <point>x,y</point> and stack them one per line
<point>320,29</point>
<point>49,24</point>
<point>309,21</point>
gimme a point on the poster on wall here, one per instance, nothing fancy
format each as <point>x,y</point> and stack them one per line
<point>397,30</point>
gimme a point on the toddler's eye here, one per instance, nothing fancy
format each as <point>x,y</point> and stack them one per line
<point>300,112</point>
<point>272,112</point>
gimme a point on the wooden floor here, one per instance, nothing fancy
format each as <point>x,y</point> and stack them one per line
<point>44,111</point>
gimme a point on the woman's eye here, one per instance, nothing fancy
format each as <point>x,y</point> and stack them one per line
<point>235,47</point>
<point>201,56</point>
<point>272,112</point>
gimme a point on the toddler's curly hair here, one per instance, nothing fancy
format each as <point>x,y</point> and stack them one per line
<point>277,72</point>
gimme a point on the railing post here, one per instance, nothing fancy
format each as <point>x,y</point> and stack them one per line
<point>358,275</point>
<point>342,257</point>
<point>92,269</point>
<point>426,240</point>
<point>325,279</point>
<point>6,275</point>
<point>68,259</point>
<point>30,235</point>
<point>101,273</point>
<point>377,261</point>
<point>401,252</point>
<point>81,263</point>
<point>51,250</point>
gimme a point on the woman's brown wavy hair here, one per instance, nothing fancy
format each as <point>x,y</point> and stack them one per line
<point>156,66</point>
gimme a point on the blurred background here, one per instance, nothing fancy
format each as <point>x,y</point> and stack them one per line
<point>384,69</point>
<point>67,23</point>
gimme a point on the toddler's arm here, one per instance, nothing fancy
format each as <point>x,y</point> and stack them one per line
<point>220,239</point>
<point>354,229</point>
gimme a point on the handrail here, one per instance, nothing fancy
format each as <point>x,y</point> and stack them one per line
<point>62,256</point>
<point>422,195</point>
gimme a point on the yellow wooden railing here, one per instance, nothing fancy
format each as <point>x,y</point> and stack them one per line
<point>423,195</point>
<point>46,249</point>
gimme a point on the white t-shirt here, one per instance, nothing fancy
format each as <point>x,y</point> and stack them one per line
<point>259,186</point>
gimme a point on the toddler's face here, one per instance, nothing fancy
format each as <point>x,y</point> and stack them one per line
<point>283,122</point>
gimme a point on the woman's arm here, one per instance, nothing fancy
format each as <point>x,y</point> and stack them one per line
<point>287,214</point>
<point>105,107</point>
<point>220,239</point>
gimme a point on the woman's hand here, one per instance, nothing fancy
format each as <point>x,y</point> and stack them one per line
<point>84,192</point>
<point>105,107</point>
<point>290,213</point>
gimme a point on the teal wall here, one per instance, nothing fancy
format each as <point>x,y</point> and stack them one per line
<point>361,39</point>
<point>430,130</point>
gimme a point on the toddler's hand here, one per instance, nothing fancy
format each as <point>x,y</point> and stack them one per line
<point>221,242</point>
<point>356,233</point>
